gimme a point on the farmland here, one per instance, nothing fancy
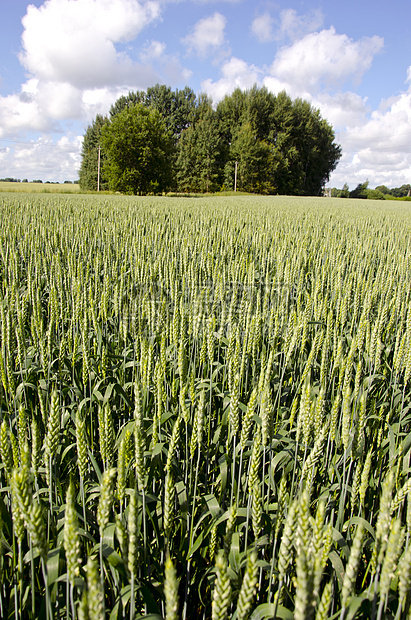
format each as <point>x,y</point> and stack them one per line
<point>205,407</point>
<point>44,188</point>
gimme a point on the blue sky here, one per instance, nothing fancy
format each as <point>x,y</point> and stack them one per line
<point>64,61</point>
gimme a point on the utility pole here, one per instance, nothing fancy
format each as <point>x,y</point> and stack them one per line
<point>98,170</point>
<point>235,176</point>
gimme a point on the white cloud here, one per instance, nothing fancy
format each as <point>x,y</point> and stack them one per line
<point>262,27</point>
<point>236,73</point>
<point>152,51</point>
<point>295,26</point>
<point>343,110</point>
<point>312,65</point>
<point>168,66</point>
<point>290,25</point>
<point>75,69</point>
<point>376,145</point>
<point>207,35</point>
<point>74,41</point>
<point>23,111</point>
<point>323,58</point>
<point>44,159</point>
<point>60,100</point>
<point>99,100</point>
<point>379,148</point>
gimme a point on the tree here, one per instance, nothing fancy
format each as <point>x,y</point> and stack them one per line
<point>231,112</point>
<point>375,194</point>
<point>255,161</point>
<point>305,152</point>
<point>383,189</point>
<point>301,144</point>
<point>360,191</point>
<point>127,101</point>
<point>282,146</point>
<point>344,192</point>
<point>401,192</point>
<point>88,173</point>
<point>175,107</point>
<point>138,149</point>
<point>199,153</point>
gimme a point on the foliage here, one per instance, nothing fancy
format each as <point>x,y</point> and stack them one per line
<point>200,152</point>
<point>88,173</point>
<point>205,408</point>
<point>293,147</point>
<point>381,192</point>
<point>255,161</point>
<point>383,189</point>
<point>138,149</point>
<point>360,191</point>
<point>375,194</point>
<point>341,193</point>
<point>280,146</point>
<point>397,192</point>
<point>176,107</point>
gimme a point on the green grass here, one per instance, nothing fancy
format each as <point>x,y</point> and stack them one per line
<point>205,407</point>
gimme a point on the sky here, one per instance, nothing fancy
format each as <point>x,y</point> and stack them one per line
<point>64,61</point>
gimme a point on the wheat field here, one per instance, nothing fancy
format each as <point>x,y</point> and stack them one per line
<point>205,408</point>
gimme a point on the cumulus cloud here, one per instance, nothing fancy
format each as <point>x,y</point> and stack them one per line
<point>376,144</point>
<point>387,128</point>
<point>325,57</point>
<point>236,73</point>
<point>75,55</point>
<point>152,50</point>
<point>69,51</point>
<point>154,55</point>
<point>317,63</point>
<point>379,148</point>
<point>75,41</point>
<point>23,111</point>
<point>294,26</point>
<point>342,109</point>
<point>44,159</point>
<point>262,27</point>
<point>207,35</point>
<point>290,25</point>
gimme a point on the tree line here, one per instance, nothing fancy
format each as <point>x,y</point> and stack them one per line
<point>174,140</point>
<point>381,192</point>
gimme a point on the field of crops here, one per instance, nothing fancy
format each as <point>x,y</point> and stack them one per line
<point>44,188</point>
<point>205,408</point>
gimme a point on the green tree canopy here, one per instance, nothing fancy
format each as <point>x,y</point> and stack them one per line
<point>199,161</point>
<point>88,172</point>
<point>255,161</point>
<point>280,145</point>
<point>360,191</point>
<point>138,149</point>
<point>301,144</point>
<point>176,107</point>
